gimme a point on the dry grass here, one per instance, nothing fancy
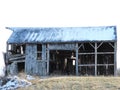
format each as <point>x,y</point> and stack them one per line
<point>75,83</point>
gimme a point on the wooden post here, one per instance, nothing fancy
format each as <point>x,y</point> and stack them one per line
<point>115,60</point>
<point>48,52</point>
<point>77,59</point>
<point>6,57</point>
<point>6,60</point>
<point>44,58</point>
<point>95,59</point>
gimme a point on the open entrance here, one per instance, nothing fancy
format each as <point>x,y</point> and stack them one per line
<point>21,66</point>
<point>62,62</point>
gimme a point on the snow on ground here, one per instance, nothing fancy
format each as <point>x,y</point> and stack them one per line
<point>12,83</point>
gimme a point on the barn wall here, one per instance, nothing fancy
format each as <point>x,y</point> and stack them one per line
<point>62,46</point>
<point>32,65</point>
<point>41,67</point>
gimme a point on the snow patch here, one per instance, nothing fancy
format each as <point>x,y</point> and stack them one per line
<point>12,83</point>
<point>29,77</point>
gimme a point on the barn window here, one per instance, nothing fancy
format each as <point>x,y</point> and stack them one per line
<point>39,51</point>
<point>16,49</point>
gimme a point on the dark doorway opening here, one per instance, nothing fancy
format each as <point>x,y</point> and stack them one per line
<point>62,62</point>
<point>21,66</point>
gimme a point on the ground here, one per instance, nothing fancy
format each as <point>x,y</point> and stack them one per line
<point>74,83</point>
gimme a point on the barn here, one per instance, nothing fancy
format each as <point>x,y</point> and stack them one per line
<point>62,50</point>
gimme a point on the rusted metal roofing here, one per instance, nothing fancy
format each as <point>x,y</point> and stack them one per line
<point>63,34</point>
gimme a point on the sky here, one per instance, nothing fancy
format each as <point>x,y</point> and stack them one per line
<point>59,13</point>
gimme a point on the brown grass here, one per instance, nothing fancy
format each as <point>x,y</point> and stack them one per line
<point>75,83</point>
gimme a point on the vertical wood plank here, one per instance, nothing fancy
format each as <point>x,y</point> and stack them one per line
<point>6,57</point>
<point>44,59</point>
<point>77,59</point>
<point>95,59</point>
<point>48,52</point>
<point>115,60</point>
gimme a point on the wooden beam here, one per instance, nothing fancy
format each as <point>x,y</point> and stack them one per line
<point>115,59</point>
<point>48,57</point>
<point>17,58</point>
<point>19,61</point>
<point>77,59</point>
<point>95,59</point>
<point>92,45</point>
<point>111,45</point>
<point>99,44</point>
<point>97,53</point>
<point>6,61</point>
<point>85,53</point>
<point>105,64</point>
<point>86,65</point>
<point>105,52</point>
<point>80,45</point>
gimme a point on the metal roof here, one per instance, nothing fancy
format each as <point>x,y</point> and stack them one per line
<point>62,34</point>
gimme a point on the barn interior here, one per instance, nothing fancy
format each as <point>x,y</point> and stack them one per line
<point>103,53</point>
<point>62,62</point>
<point>105,58</point>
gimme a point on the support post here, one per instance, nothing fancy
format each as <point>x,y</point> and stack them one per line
<point>115,60</point>
<point>48,52</point>
<point>6,60</point>
<point>76,59</point>
<point>95,59</point>
<point>6,57</point>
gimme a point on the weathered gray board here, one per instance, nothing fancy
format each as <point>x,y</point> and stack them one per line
<point>62,46</point>
<point>32,65</point>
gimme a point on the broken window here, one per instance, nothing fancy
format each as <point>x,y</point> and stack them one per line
<point>39,51</point>
<point>16,49</point>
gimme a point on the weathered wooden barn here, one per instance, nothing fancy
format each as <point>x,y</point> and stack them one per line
<point>62,50</point>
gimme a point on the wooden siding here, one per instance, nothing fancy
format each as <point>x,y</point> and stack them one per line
<point>32,65</point>
<point>62,46</point>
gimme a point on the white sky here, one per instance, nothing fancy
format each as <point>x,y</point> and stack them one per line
<point>60,13</point>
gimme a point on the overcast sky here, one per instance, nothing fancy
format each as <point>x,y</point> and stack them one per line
<point>59,13</point>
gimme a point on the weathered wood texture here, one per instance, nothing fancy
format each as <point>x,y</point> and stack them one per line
<point>32,65</point>
<point>13,68</point>
<point>48,57</point>
<point>95,59</point>
<point>76,58</point>
<point>62,46</point>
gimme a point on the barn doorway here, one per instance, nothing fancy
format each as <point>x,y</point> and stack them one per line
<point>62,62</point>
<point>21,66</point>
